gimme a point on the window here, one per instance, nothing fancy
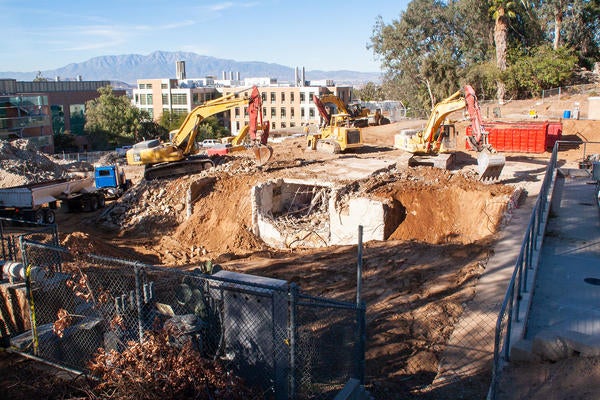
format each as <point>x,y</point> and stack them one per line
<point>142,86</point>
<point>179,99</point>
<point>292,112</point>
<point>291,97</point>
<point>283,125</point>
<point>282,97</point>
<point>149,99</point>
<point>302,113</point>
<point>282,112</point>
<point>302,97</point>
<point>143,100</point>
<point>137,99</point>
<point>237,111</point>
<point>148,86</point>
<point>264,111</point>
<point>273,112</point>
<point>292,124</point>
<point>165,98</point>
<point>272,97</point>
<point>237,125</point>
<point>245,111</point>
<point>163,86</point>
<point>263,96</point>
<point>311,112</point>
<point>272,125</point>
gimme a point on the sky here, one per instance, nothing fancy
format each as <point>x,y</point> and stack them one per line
<point>327,35</point>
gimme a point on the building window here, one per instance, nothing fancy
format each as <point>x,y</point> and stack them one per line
<point>302,97</point>
<point>179,99</point>
<point>282,97</point>
<point>237,125</point>
<point>163,86</point>
<point>292,97</point>
<point>272,125</point>
<point>282,112</point>
<point>165,98</point>
<point>137,98</point>
<point>263,96</point>
<point>283,125</point>
<point>148,86</point>
<point>292,124</point>
<point>237,111</point>
<point>149,98</point>
<point>245,111</point>
<point>143,99</point>
<point>273,112</point>
<point>292,112</point>
<point>272,97</point>
<point>264,111</point>
<point>142,86</point>
<point>77,120</point>
<point>302,112</point>
<point>311,112</point>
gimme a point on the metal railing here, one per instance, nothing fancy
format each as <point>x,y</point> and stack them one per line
<point>512,310</point>
<point>288,344</point>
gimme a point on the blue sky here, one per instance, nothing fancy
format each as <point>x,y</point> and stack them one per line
<point>329,35</point>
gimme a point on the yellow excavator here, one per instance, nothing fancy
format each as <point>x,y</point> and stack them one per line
<point>181,155</point>
<point>337,133</point>
<point>435,145</point>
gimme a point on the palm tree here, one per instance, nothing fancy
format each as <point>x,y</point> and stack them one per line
<point>502,10</point>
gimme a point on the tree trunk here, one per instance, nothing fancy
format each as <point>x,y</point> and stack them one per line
<point>500,40</point>
<point>558,19</point>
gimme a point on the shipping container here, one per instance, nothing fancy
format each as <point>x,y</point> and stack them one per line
<point>521,137</point>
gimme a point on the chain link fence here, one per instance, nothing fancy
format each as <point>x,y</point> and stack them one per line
<point>285,343</point>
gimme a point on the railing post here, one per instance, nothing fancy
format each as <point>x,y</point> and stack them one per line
<point>359,266</point>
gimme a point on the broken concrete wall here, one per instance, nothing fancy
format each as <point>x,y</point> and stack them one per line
<point>287,213</point>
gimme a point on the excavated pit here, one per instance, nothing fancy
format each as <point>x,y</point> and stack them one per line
<point>294,213</point>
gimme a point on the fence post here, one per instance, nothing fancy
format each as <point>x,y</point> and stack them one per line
<point>359,266</point>
<point>361,338</point>
<point>293,343</point>
<point>138,301</point>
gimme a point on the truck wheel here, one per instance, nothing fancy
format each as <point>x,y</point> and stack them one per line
<point>38,217</point>
<point>93,203</point>
<point>49,217</point>
<point>101,200</point>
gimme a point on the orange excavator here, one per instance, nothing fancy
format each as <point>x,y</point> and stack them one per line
<point>182,154</point>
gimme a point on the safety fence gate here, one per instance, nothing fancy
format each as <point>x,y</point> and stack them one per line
<point>282,342</point>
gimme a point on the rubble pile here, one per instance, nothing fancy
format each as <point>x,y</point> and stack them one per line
<point>150,204</point>
<point>22,163</point>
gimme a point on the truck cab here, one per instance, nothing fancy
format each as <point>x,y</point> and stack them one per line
<point>111,180</point>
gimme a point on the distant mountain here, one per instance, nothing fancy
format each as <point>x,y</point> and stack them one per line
<point>161,64</point>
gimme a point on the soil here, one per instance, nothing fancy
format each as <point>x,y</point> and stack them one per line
<point>415,283</point>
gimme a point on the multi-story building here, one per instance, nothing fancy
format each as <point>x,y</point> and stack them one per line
<point>159,95</point>
<point>285,106</point>
<point>38,110</point>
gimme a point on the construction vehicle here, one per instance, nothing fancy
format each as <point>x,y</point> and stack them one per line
<point>336,134</point>
<point>435,145</point>
<point>182,154</point>
<point>253,136</point>
<point>111,180</point>
<point>37,202</point>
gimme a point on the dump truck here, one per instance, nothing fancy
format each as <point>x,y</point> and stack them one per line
<point>111,180</point>
<point>37,201</point>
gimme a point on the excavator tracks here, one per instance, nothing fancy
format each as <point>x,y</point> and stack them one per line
<point>328,146</point>
<point>172,169</point>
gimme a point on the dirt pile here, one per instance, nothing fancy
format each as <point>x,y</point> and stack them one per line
<point>22,163</point>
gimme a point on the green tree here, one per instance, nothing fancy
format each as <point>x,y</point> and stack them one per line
<point>171,121</point>
<point>502,11</point>
<point>543,68</point>
<point>369,92</point>
<point>112,120</point>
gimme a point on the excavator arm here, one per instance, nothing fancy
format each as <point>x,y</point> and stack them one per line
<point>185,137</point>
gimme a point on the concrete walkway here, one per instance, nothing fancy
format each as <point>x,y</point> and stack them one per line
<point>566,299</point>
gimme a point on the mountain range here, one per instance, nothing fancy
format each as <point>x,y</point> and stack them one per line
<point>161,64</point>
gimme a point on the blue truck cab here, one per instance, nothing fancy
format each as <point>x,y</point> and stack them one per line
<point>111,180</point>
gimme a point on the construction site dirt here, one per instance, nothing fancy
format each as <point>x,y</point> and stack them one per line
<point>416,282</point>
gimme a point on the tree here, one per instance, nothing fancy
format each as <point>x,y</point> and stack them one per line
<point>421,53</point>
<point>502,10</point>
<point>171,121</point>
<point>112,120</point>
<point>369,92</point>
<point>39,77</point>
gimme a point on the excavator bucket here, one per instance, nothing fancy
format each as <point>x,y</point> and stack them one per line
<point>490,165</point>
<point>262,154</point>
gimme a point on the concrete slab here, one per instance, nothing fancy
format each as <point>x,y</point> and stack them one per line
<point>351,168</point>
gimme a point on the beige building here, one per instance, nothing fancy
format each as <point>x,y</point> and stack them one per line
<point>284,106</point>
<point>158,95</point>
